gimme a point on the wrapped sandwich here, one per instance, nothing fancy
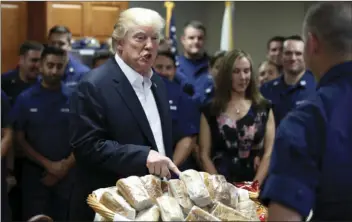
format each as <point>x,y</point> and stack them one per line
<point>209,185</point>
<point>170,210</point>
<point>225,213</point>
<point>132,189</point>
<point>196,188</point>
<point>164,186</point>
<point>243,195</point>
<point>233,195</point>
<point>197,214</point>
<point>153,186</point>
<point>114,202</point>
<point>249,209</point>
<point>178,190</point>
<point>221,189</point>
<point>151,214</point>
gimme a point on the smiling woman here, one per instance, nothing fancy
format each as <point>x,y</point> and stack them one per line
<point>235,123</point>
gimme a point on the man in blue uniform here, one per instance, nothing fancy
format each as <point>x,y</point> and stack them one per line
<point>60,36</point>
<point>13,83</point>
<point>25,74</point>
<point>41,128</point>
<point>193,66</point>
<point>6,141</point>
<point>274,53</point>
<point>296,83</point>
<point>184,112</point>
<point>311,164</point>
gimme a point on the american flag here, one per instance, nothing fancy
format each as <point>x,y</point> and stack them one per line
<point>173,37</point>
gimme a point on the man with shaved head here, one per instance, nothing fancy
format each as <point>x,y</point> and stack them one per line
<point>311,164</point>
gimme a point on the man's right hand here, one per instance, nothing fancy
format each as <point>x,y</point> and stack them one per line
<point>160,165</point>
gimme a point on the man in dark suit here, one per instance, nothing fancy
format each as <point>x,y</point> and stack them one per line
<point>120,121</point>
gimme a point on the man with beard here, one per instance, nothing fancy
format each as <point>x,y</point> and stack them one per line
<point>290,89</point>
<point>60,37</point>
<point>193,69</point>
<point>41,129</point>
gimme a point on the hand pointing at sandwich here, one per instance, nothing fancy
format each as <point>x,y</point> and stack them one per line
<point>160,165</point>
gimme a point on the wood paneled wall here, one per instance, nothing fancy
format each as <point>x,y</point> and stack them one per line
<point>32,20</point>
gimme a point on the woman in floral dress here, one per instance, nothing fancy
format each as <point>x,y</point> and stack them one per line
<point>237,128</point>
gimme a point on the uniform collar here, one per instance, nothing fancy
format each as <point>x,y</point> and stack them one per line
<point>133,77</point>
<point>200,64</point>
<point>303,81</point>
<point>38,88</point>
<point>335,72</point>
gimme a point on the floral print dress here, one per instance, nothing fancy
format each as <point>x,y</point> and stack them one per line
<point>235,144</point>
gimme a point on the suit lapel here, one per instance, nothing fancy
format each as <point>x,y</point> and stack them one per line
<point>160,99</point>
<point>129,96</point>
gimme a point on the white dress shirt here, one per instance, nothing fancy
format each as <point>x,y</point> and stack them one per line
<point>142,87</point>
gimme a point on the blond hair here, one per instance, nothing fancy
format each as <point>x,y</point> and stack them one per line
<point>132,17</point>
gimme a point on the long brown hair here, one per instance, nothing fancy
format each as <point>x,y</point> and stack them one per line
<point>223,82</point>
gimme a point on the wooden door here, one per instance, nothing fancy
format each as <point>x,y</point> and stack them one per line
<point>70,14</point>
<point>13,32</point>
<point>101,18</point>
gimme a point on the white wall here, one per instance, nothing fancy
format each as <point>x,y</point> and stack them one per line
<point>255,22</point>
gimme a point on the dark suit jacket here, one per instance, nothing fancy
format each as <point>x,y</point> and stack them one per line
<point>110,133</point>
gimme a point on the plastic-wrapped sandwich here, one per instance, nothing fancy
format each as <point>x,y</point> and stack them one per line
<point>206,179</point>
<point>153,186</point>
<point>225,213</point>
<point>151,214</point>
<point>196,188</point>
<point>170,210</point>
<point>248,208</point>
<point>221,189</point>
<point>234,196</point>
<point>132,189</point>
<point>178,190</point>
<point>197,214</point>
<point>117,204</point>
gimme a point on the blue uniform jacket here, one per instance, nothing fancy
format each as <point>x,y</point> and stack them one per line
<point>196,73</point>
<point>12,85</point>
<point>74,71</point>
<point>43,115</point>
<point>284,97</point>
<point>184,112</point>
<point>311,165</point>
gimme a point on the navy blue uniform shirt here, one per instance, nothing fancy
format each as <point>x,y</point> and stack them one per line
<point>12,84</point>
<point>5,122</point>
<point>5,110</point>
<point>184,112</point>
<point>284,97</point>
<point>42,114</point>
<point>196,73</point>
<point>74,71</point>
<point>311,165</point>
